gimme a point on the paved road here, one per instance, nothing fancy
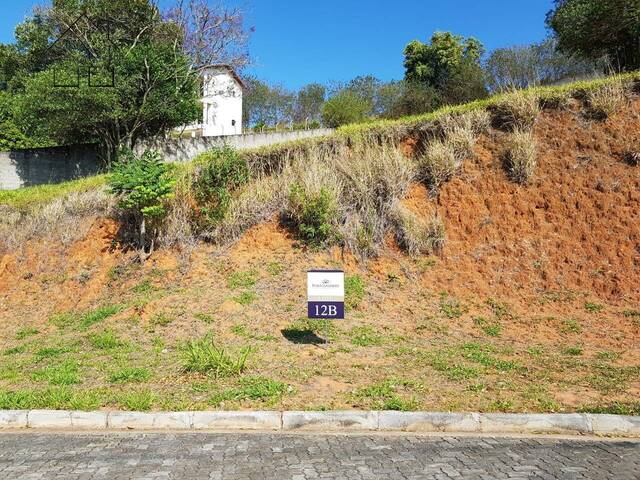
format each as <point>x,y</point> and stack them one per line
<point>301,457</point>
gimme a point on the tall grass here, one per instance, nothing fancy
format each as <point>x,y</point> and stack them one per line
<point>65,219</point>
<point>203,356</point>
<point>416,234</point>
<point>520,156</point>
<point>606,100</point>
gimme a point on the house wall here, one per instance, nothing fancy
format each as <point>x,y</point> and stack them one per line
<point>222,104</point>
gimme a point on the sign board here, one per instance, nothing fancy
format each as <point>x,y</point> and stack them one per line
<point>325,294</point>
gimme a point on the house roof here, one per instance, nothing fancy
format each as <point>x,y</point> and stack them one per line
<point>230,69</point>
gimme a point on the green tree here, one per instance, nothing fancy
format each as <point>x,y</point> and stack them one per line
<point>343,108</point>
<point>413,99</point>
<point>596,28</point>
<point>309,103</point>
<point>449,63</point>
<point>266,105</point>
<point>155,84</point>
<point>142,185</point>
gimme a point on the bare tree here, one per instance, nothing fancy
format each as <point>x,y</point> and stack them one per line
<point>213,34</point>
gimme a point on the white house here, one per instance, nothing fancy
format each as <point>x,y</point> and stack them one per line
<point>221,103</point>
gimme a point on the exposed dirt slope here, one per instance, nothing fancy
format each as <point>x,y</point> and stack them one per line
<point>533,304</point>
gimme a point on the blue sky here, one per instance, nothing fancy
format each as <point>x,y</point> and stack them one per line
<point>298,42</point>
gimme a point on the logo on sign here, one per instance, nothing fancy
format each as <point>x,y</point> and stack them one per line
<point>325,294</point>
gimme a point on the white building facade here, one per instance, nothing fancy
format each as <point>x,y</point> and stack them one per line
<point>221,103</point>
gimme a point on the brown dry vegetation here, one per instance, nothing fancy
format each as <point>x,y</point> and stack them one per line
<point>533,303</point>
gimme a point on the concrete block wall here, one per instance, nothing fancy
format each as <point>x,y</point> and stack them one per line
<point>37,166</point>
<point>23,168</point>
<point>184,149</point>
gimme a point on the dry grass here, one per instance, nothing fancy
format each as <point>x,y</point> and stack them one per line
<point>438,164</point>
<point>374,178</point>
<point>518,110</point>
<point>65,219</point>
<point>606,100</point>
<point>417,235</point>
<point>520,156</point>
<point>257,202</point>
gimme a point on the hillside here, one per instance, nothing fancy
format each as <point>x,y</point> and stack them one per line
<point>531,304</point>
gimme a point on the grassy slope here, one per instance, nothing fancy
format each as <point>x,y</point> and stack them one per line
<point>30,197</point>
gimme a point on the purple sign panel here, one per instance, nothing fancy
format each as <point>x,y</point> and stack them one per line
<point>333,310</point>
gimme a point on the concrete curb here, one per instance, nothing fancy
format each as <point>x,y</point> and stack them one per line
<point>333,421</point>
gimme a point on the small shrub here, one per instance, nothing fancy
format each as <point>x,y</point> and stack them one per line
<point>142,184</point>
<point>203,356</point>
<point>315,213</point>
<point>518,110</point>
<point>439,164</point>
<point>520,156</point>
<point>606,100</point>
<point>217,174</point>
<point>353,291</point>
<point>418,236</point>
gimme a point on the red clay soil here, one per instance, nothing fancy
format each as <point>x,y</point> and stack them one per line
<point>575,227</point>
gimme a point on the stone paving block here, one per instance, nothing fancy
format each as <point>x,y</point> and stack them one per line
<point>49,419</point>
<point>615,425</point>
<point>429,422</point>
<point>571,423</point>
<point>89,420</point>
<point>326,421</point>
<point>149,421</point>
<point>237,420</point>
<point>13,419</point>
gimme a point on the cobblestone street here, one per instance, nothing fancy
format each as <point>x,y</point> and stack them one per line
<point>116,456</point>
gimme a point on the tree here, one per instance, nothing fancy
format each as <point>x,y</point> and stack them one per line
<point>142,184</point>
<point>449,63</point>
<point>309,103</point>
<point>211,34</point>
<point>596,28</point>
<point>343,108</point>
<point>535,64</point>
<point>154,60</point>
<point>266,105</point>
<point>413,98</point>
